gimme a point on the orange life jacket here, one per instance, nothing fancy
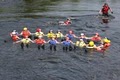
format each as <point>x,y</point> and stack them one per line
<point>15,37</point>
<point>105,9</point>
<point>106,46</point>
<point>25,33</point>
<point>39,41</point>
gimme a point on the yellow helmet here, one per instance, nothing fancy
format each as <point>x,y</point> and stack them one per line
<point>91,43</point>
<point>106,40</point>
<point>25,28</point>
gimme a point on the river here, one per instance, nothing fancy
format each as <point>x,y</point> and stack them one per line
<point>34,64</point>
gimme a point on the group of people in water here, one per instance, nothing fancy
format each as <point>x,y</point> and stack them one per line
<point>95,42</point>
<point>26,37</point>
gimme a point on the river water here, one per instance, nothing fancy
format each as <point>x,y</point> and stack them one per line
<point>32,64</point>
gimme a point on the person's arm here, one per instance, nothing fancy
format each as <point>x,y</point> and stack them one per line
<point>111,10</point>
<point>57,42</point>
<point>100,11</point>
<point>48,41</point>
<point>44,41</point>
<point>72,42</point>
<point>31,40</point>
<point>17,42</point>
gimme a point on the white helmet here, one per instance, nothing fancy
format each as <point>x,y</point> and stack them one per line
<point>82,34</point>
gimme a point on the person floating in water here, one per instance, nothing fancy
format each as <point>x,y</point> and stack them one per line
<point>105,44</point>
<point>14,36</point>
<point>66,22</point>
<point>71,35</point>
<point>105,10</point>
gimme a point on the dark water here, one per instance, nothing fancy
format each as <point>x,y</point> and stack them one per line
<point>32,64</point>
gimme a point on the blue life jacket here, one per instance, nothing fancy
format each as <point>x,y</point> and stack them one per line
<point>70,36</point>
<point>52,42</point>
<point>66,43</point>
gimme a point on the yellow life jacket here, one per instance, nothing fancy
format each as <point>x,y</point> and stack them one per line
<point>59,35</point>
<point>80,44</point>
<point>50,35</point>
<point>39,34</point>
<point>25,41</point>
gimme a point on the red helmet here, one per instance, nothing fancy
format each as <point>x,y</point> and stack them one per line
<point>38,30</point>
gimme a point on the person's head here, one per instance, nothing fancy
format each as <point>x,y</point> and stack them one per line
<point>38,30</point>
<point>106,40</point>
<point>68,19</point>
<point>14,30</point>
<point>25,28</point>
<point>70,32</point>
<point>105,4</point>
<point>50,31</point>
<point>81,40</point>
<point>91,43</point>
<point>59,31</point>
<point>67,38</point>
<point>96,34</point>
<point>82,34</point>
<point>53,38</point>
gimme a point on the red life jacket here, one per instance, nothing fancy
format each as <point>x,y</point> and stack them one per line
<point>106,46</point>
<point>40,41</point>
<point>15,37</point>
<point>96,38</point>
<point>105,9</point>
<point>25,33</point>
<point>67,22</point>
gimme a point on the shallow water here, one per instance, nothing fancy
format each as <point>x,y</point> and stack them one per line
<point>32,64</point>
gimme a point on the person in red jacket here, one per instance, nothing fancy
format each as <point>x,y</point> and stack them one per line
<point>40,42</point>
<point>96,37</point>
<point>14,36</point>
<point>105,10</point>
<point>25,33</point>
<point>105,44</point>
